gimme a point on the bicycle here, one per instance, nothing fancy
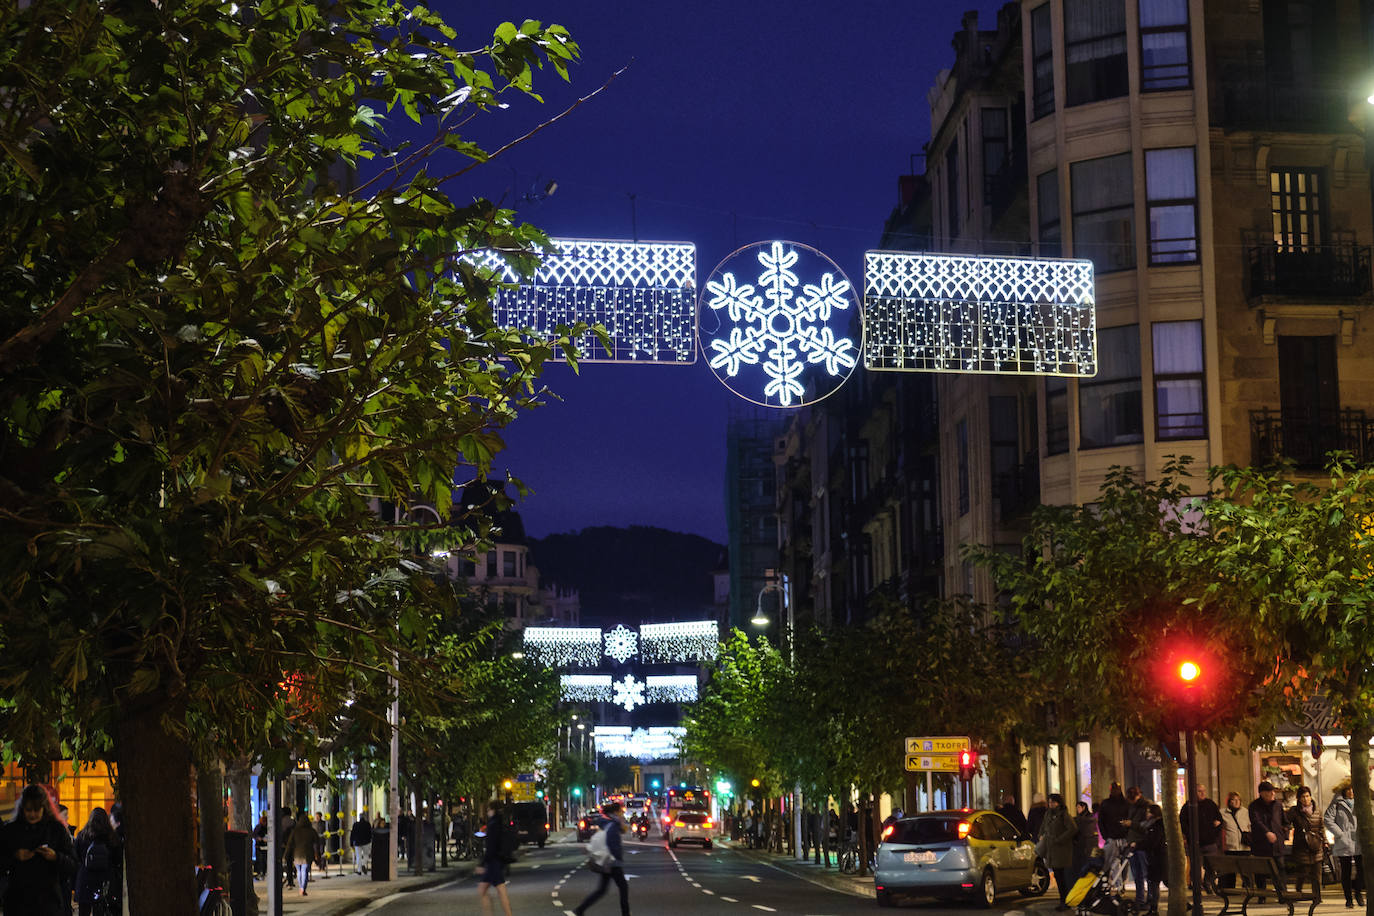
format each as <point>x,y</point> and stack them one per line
<point>211,901</point>
<point>848,858</point>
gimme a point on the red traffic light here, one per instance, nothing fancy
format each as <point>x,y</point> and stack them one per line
<point>968,758</point>
<point>1189,671</point>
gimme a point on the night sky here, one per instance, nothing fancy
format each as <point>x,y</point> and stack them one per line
<point>735,121</point>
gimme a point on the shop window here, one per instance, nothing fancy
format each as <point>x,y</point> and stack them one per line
<point>1094,51</point>
<point>1171,196</point>
<point>1103,212</point>
<point>1180,392</point>
<point>1109,407</point>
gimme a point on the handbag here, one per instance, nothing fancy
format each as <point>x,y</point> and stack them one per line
<point>1245,838</point>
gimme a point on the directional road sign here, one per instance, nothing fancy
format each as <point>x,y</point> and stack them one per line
<point>933,763</point>
<point>943,745</point>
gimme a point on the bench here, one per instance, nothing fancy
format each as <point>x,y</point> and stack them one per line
<point>1250,868</point>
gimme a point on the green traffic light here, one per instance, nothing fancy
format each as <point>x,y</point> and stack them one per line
<point>577,793</point>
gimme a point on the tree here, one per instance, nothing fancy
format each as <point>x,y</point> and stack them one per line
<point>216,359</point>
<point>1299,553</point>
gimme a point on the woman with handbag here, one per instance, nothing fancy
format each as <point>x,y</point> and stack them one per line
<point>1309,842</point>
<point>1235,828</point>
<point>1345,845</point>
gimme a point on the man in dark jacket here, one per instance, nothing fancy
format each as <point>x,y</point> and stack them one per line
<point>1268,835</point>
<point>1208,830</point>
<point>360,838</point>
<point>613,826</point>
<point>1012,812</point>
<point>1113,817</point>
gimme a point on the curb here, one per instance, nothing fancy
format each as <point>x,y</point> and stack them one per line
<point>815,874</point>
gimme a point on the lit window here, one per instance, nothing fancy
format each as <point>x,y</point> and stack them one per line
<point>1103,211</point>
<point>1094,50</point>
<point>1171,196</point>
<point>1180,399</point>
<point>1164,60</point>
<point>1109,409</point>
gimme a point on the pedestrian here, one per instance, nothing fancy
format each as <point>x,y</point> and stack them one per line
<point>1113,817</point>
<point>404,824</point>
<point>260,846</point>
<point>360,838</point>
<point>491,871</point>
<point>116,891</point>
<point>37,852</point>
<point>1155,848</point>
<point>321,842</point>
<point>1057,831</point>
<point>1012,812</point>
<point>1035,818</point>
<point>1309,842</point>
<point>1084,841</point>
<point>1136,842</point>
<point>302,849</point>
<point>1209,832</point>
<point>1267,829</point>
<point>614,826</point>
<point>285,824</point>
<point>94,860</point>
<point>1235,826</point>
<point>1345,842</point>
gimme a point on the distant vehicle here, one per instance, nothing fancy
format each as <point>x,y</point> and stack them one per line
<point>970,854</point>
<point>586,825</point>
<point>690,827</point>
<point>531,821</point>
<point>684,798</point>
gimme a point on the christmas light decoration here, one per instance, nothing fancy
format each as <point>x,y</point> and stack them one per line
<point>697,640</point>
<point>628,692</point>
<point>564,647</point>
<point>653,743</point>
<point>643,293</point>
<point>621,643</point>
<point>670,688</point>
<point>957,313</point>
<point>781,346</point>
<point>585,688</point>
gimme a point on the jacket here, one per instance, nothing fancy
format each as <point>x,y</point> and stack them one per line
<point>1267,817</point>
<point>613,831</point>
<point>1111,811</point>
<point>36,885</point>
<point>361,834</point>
<point>1058,830</point>
<point>1340,820</point>
<point>1234,823</point>
<point>1085,841</point>
<point>1018,820</point>
<point>1208,830</point>
<point>1309,839</point>
<point>302,841</point>
<point>1155,847</point>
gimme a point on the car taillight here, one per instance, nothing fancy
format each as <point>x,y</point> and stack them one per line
<point>710,823</point>
<point>963,829</point>
<point>679,824</point>
<point>546,826</point>
<point>887,831</point>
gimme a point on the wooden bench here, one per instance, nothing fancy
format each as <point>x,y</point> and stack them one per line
<point>1250,868</point>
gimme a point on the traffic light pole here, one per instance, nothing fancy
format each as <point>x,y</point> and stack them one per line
<point>1194,860</point>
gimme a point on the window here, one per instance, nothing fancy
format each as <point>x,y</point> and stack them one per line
<point>491,564</point>
<point>1164,61</point>
<point>1042,62</point>
<point>1180,396</point>
<point>1056,415</point>
<point>1296,200</point>
<point>995,149</point>
<point>1094,51</point>
<point>952,187</point>
<point>1109,411</point>
<point>1047,209</point>
<point>508,564</point>
<point>1103,211</point>
<point>1002,435</point>
<point>1171,196</point>
<point>961,440</point>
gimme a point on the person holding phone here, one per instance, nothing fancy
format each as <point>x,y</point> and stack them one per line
<point>37,850</point>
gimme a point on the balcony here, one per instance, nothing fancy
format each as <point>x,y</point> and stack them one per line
<point>1304,437</point>
<point>1248,96</point>
<point>1338,270</point>
<point>1018,491</point>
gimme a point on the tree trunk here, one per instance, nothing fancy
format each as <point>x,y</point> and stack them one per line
<point>865,832</point>
<point>155,785</point>
<point>210,803</point>
<point>240,780</point>
<point>1360,733</point>
<point>1173,836</point>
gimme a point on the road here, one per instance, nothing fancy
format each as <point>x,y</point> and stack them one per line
<point>680,882</point>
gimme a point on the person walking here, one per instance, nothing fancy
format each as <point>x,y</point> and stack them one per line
<point>321,844</point>
<point>37,852</point>
<point>95,856</point>
<point>1309,842</point>
<point>1154,846</point>
<point>1135,842</point>
<point>285,825</point>
<point>1208,831</point>
<point>1057,831</point>
<point>1345,843</point>
<point>1084,841</point>
<point>360,838</point>
<point>260,846</point>
<point>614,826</point>
<point>491,871</point>
<point>302,847</point>
<point>1267,829</point>
<point>1113,817</point>
<point>1235,827</point>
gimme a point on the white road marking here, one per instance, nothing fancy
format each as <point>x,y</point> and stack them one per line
<point>707,890</point>
<point>728,899</point>
<point>755,878</point>
<point>766,909</point>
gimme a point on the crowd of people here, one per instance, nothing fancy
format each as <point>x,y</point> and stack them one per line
<point>1124,832</point>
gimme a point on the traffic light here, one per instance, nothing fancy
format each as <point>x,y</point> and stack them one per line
<point>968,764</point>
<point>577,791</point>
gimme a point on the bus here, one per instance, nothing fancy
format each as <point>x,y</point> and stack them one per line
<point>685,798</point>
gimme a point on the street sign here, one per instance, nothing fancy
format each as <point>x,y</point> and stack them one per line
<point>933,763</point>
<point>944,745</point>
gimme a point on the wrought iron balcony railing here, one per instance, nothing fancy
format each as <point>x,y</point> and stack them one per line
<point>1305,437</point>
<point>1339,269</point>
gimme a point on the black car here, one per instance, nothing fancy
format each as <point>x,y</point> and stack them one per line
<point>586,825</point>
<point>531,821</point>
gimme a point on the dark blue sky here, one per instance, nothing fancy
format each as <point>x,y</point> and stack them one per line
<point>736,121</point>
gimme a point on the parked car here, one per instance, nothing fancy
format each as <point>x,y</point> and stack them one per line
<point>531,822</point>
<point>962,854</point>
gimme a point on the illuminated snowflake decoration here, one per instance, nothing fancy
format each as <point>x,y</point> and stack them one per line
<point>588,688</point>
<point>671,688</point>
<point>690,641</point>
<point>653,743</point>
<point>628,692</point>
<point>564,647</point>
<point>621,643</point>
<point>788,338</point>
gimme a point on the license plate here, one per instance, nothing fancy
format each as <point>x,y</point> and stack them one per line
<point>918,858</point>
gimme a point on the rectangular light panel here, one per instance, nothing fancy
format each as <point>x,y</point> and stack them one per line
<point>966,313</point>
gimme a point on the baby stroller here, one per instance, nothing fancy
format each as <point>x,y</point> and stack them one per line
<point>1100,892</point>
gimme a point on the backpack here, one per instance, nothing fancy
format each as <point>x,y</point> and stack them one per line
<point>97,857</point>
<point>599,849</point>
<point>509,843</point>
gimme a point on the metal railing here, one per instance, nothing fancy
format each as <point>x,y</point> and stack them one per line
<point>1305,437</point>
<point>1340,269</point>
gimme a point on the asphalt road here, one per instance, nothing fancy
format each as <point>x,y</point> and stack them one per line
<point>681,882</point>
